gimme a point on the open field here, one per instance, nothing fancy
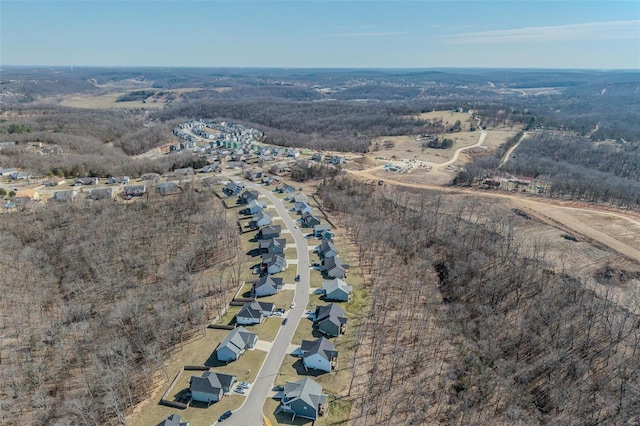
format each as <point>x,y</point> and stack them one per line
<point>448,118</point>
<point>108,101</point>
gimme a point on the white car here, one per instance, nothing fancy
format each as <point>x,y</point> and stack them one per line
<point>293,305</point>
<point>241,390</point>
<point>244,385</point>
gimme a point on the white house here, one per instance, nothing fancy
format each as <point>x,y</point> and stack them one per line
<point>319,354</point>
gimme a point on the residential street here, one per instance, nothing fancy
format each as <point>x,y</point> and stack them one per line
<point>250,414</point>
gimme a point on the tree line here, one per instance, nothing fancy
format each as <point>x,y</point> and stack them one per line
<point>468,325</point>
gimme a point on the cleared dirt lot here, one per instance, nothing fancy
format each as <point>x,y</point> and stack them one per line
<point>448,118</point>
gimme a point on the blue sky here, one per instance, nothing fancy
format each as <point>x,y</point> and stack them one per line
<point>386,34</point>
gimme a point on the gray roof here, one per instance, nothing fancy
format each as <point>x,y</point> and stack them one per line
<point>238,339</point>
<point>260,215</point>
<point>321,346</point>
<point>255,309</point>
<point>307,390</point>
<point>270,230</point>
<point>274,259</point>
<point>173,420</point>
<point>332,312</point>
<point>335,284</point>
<point>271,242</point>
<point>211,382</point>
<point>269,281</point>
<point>322,227</point>
<point>327,245</point>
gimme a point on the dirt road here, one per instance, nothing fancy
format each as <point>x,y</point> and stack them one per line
<point>551,212</point>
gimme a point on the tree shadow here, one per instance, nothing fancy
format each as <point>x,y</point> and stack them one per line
<point>181,396</point>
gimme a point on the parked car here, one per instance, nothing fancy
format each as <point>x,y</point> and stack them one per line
<point>297,278</point>
<point>244,384</point>
<point>293,305</point>
<point>241,390</point>
<point>284,321</point>
<point>225,415</point>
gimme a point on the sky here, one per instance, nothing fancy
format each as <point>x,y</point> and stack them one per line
<point>328,34</point>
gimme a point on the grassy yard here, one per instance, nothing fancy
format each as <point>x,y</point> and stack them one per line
<point>199,352</point>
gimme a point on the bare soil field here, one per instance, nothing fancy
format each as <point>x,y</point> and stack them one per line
<point>107,101</point>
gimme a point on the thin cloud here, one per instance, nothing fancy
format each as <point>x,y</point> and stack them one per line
<point>612,30</point>
<point>368,34</point>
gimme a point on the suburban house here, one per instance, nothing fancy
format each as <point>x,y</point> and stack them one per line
<point>210,386</point>
<point>272,246</point>
<point>102,193</point>
<point>319,354</point>
<point>327,249</point>
<point>173,420</point>
<point>304,398</point>
<point>321,229</point>
<point>299,197</point>
<point>267,285</point>
<point>331,320</point>
<point>303,208</point>
<point>7,171</point>
<point>122,180</point>
<point>20,175</point>
<point>150,176</point>
<point>285,189</point>
<point>254,207</point>
<point>134,190</point>
<point>309,220</point>
<point>273,263</point>
<point>254,312</point>
<point>337,290</point>
<point>232,189</point>
<point>248,195</point>
<point>270,180</point>
<point>334,267</point>
<point>210,168</point>
<point>271,231</point>
<point>235,343</point>
<point>187,171</point>
<point>54,181</point>
<point>254,173</point>
<point>86,181</point>
<point>259,220</point>
<point>68,195</point>
<point>336,159</point>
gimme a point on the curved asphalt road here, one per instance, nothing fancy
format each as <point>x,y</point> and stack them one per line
<point>250,414</point>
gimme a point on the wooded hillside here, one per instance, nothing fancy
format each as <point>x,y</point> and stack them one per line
<point>94,298</point>
<point>466,326</point>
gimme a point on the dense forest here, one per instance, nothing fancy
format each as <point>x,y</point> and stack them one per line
<point>468,326</point>
<point>95,297</point>
<point>574,166</point>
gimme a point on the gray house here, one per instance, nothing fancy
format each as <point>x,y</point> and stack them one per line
<point>259,220</point>
<point>331,320</point>
<point>271,231</point>
<point>267,286</point>
<point>232,189</point>
<point>235,343</point>
<point>337,290</point>
<point>210,386</point>
<point>273,263</point>
<point>248,195</point>
<point>254,207</point>
<point>303,208</point>
<point>304,398</point>
<point>309,220</point>
<point>68,195</point>
<point>334,267</point>
<point>319,354</point>
<point>299,197</point>
<point>322,230</point>
<point>272,246</point>
<point>285,189</point>
<point>327,249</point>
<point>134,190</point>
<point>254,312</point>
<point>173,420</point>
